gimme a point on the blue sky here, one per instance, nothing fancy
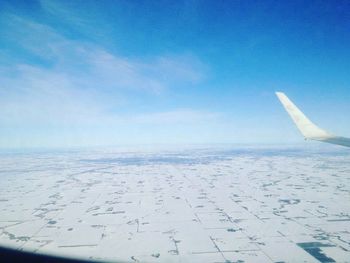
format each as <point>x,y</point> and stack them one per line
<point>85,73</point>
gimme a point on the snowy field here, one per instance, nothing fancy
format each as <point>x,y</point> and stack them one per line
<point>179,205</point>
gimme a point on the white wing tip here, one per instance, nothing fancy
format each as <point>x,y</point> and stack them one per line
<point>306,127</point>
<point>280,94</point>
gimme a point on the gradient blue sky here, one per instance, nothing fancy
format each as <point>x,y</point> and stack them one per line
<point>81,73</point>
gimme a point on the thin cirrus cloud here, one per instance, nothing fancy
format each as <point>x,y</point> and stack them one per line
<point>80,84</point>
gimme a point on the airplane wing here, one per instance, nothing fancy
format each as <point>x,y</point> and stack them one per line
<point>307,127</point>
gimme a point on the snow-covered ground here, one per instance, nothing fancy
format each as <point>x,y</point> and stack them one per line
<point>190,205</point>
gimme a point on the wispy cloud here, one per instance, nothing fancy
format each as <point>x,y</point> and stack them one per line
<point>179,116</point>
<point>82,84</point>
<point>33,95</point>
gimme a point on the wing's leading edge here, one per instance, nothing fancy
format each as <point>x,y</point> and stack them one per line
<point>307,127</point>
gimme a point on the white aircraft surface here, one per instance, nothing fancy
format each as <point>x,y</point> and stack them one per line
<point>308,128</point>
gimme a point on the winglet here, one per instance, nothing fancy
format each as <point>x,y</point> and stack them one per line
<point>305,126</point>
